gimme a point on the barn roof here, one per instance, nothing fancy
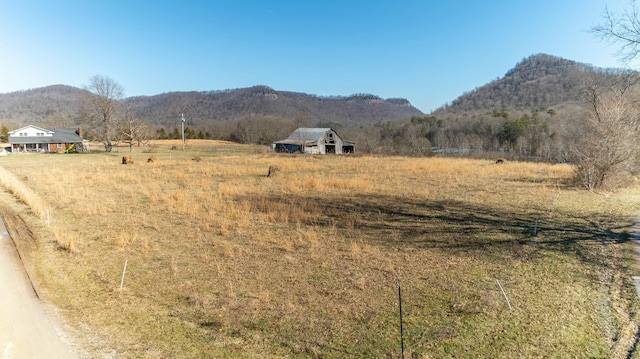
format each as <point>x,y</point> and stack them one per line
<point>308,134</point>
<point>311,136</point>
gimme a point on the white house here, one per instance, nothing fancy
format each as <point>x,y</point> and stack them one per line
<point>36,139</point>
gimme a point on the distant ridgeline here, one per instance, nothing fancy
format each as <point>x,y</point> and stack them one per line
<point>59,103</point>
<point>264,101</point>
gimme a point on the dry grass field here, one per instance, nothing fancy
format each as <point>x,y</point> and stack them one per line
<point>225,262</point>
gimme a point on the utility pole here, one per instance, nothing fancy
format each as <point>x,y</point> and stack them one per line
<point>182,131</point>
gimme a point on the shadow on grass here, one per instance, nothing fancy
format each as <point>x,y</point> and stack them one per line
<point>401,222</point>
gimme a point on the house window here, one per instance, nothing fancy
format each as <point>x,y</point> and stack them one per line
<point>40,134</point>
<point>59,145</point>
<point>23,134</point>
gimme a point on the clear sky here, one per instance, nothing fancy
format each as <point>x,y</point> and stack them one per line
<point>427,51</point>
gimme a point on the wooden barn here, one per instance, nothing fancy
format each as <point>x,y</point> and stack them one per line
<point>314,141</point>
<point>36,139</point>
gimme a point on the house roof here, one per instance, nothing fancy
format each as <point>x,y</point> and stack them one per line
<point>30,126</point>
<point>60,135</point>
<point>66,135</point>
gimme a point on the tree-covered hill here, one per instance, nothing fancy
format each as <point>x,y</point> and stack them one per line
<point>262,100</point>
<point>537,82</point>
<point>540,110</point>
<point>55,104</point>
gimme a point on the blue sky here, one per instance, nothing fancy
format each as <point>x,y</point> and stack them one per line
<point>429,52</point>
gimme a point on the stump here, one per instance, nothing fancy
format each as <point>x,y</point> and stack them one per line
<point>273,169</point>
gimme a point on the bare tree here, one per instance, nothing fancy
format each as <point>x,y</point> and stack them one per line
<point>623,28</point>
<point>99,107</point>
<point>606,148</point>
<point>131,130</point>
<point>58,119</point>
<point>262,130</point>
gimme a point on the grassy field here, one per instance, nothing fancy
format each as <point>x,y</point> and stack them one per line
<point>225,262</point>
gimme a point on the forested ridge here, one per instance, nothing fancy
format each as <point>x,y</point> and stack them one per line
<point>51,105</point>
<point>59,103</point>
<point>538,81</point>
<point>536,111</point>
<point>265,101</point>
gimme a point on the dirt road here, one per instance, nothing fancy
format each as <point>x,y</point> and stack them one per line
<point>26,329</point>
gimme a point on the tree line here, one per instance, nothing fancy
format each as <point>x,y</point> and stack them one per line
<point>530,135</point>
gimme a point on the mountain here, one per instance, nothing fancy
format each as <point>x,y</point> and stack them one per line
<point>60,103</point>
<point>537,82</point>
<point>262,100</point>
<point>536,111</point>
<point>35,106</point>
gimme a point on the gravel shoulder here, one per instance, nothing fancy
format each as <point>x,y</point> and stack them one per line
<point>30,325</point>
<point>27,328</point>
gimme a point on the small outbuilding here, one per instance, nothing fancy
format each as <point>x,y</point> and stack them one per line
<point>314,141</point>
<point>36,139</point>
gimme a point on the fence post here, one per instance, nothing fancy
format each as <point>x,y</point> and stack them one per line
<point>124,270</point>
<point>401,332</point>
<point>504,294</point>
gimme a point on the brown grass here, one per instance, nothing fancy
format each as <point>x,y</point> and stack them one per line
<point>224,262</point>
